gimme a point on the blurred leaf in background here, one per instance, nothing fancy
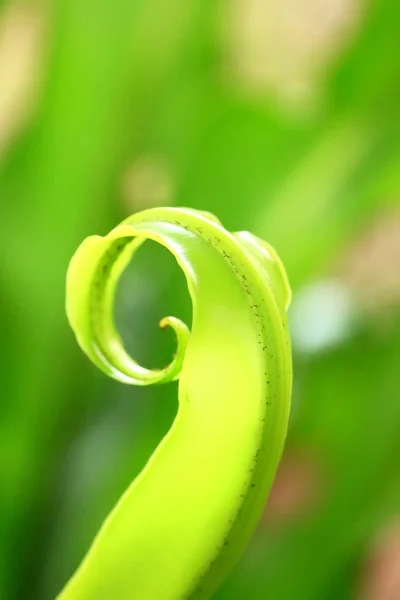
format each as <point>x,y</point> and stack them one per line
<point>280,117</point>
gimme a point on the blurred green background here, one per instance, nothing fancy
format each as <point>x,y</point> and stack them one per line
<point>280,116</point>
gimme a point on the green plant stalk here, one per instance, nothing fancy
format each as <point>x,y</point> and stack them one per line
<point>185,520</point>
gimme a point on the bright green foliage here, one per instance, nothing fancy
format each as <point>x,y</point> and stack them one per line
<point>126,81</point>
<point>214,468</point>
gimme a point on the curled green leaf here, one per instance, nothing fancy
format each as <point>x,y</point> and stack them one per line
<point>185,520</point>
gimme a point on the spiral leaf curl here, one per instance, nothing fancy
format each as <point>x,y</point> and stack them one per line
<point>214,468</point>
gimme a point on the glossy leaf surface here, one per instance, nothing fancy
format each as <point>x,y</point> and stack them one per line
<point>187,517</point>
